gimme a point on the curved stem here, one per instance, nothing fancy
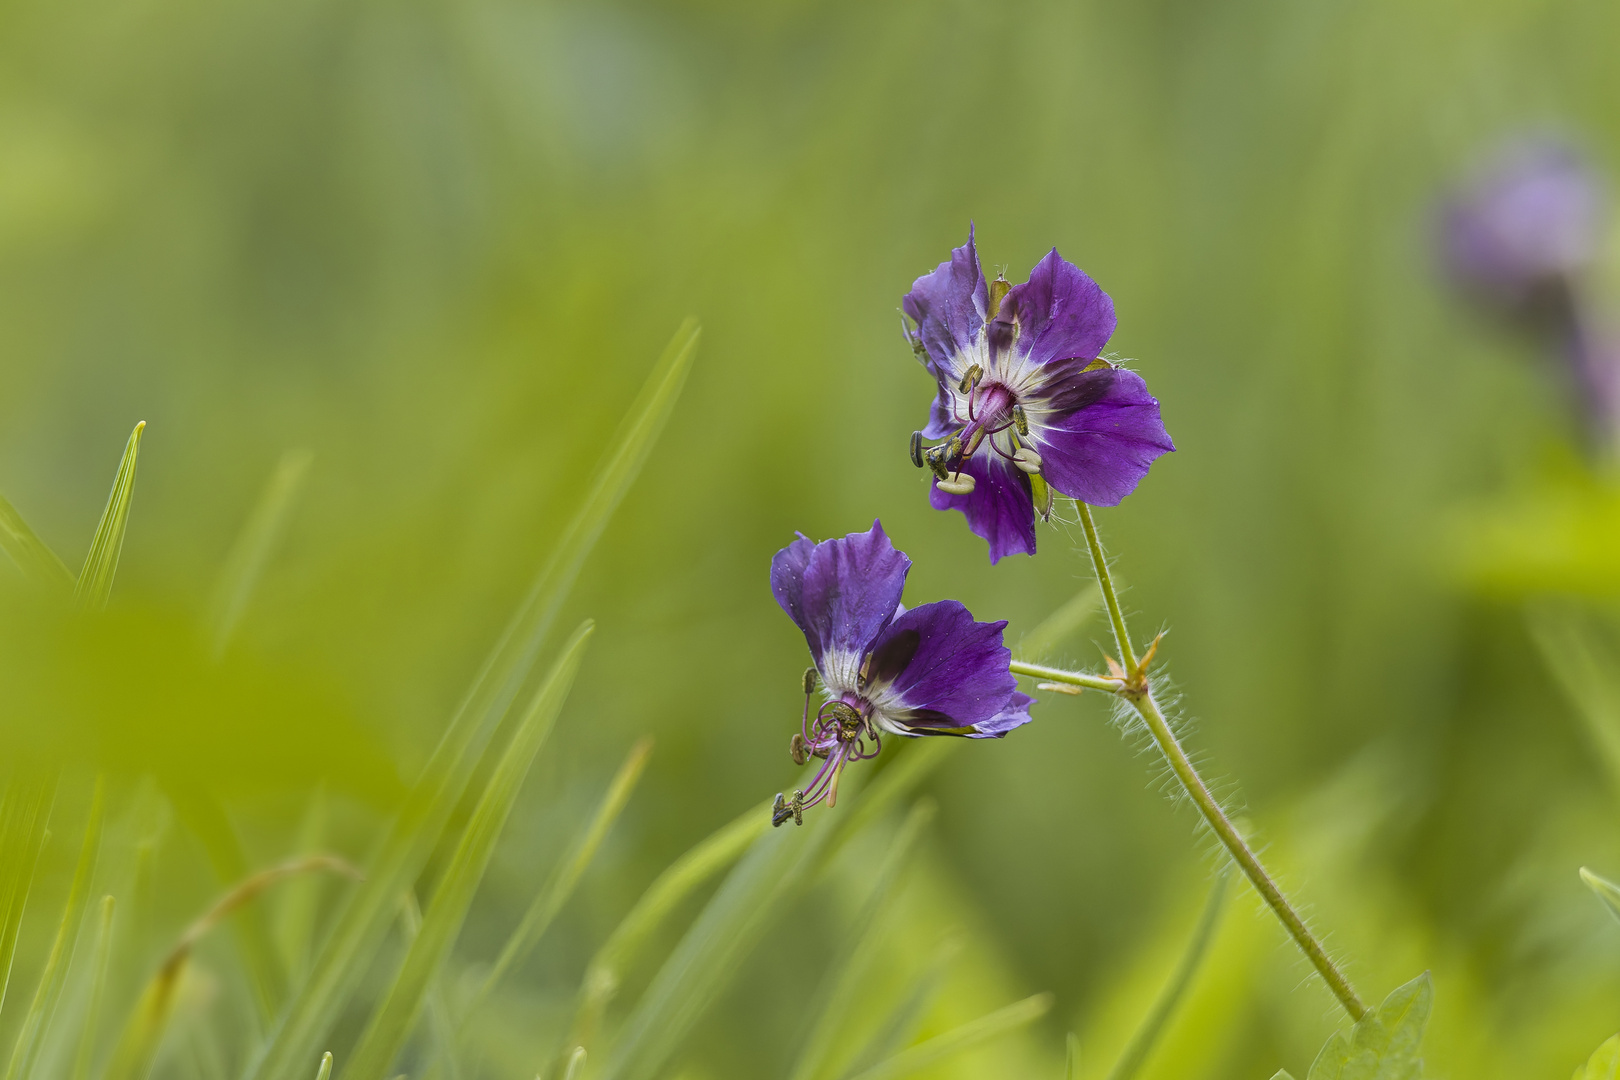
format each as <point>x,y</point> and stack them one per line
<point>1135,690</point>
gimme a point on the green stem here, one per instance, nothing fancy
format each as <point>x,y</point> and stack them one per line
<point>1135,690</point>
<point>1122,637</point>
<point>1073,678</point>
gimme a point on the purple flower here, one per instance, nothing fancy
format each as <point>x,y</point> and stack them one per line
<point>1520,232</point>
<point>1025,407</point>
<point>931,670</point>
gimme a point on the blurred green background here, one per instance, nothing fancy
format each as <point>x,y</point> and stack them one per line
<point>440,245</point>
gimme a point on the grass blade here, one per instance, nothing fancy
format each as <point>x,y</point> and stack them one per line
<point>1142,1041</point>
<point>254,545</point>
<point>295,923</point>
<point>98,990</point>
<point>364,922</point>
<point>325,1071</point>
<point>924,1054</point>
<point>1057,627</point>
<point>678,881</point>
<point>839,992</point>
<point>95,582</point>
<point>49,991</point>
<point>576,1064</point>
<point>903,1020</point>
<point>438,1002</point>
<point>31,554</point>
<point>1071,1063</point>
<point>711,950</point>
<point>559,886</point>
<point>22,835</point>
<point>392,1020</point>
<point>143,1032</point>
<point>1605,890</point>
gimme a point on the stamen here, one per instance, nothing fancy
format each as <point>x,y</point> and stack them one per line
<point>798,749</point>
<point>937,456</point>
<point>917,449</point>
<point>970,380</point>
<point>1020,419</point>
<point>809,680</point>
<point>1027,459</point>
<point>959,484</point>
<point>999,288</point>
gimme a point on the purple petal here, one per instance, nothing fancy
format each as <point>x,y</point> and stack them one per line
<point>1061,312</point>
<point>787,578</point>
<point>1016,714</point>
<point>1103,435</point>
<point>957,674</point>
<point>948,305</point>
<point>846,590</point>
<point>998,508</point>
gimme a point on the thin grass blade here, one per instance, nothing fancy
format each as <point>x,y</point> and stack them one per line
<point>1153,1024</point>
<point>709,954</point>
<point>576,1064</point>
<point>294,926</point>
<point>1059,626</point>
<point>325,1071</point>
<point>1071,1064</point>
<point>924,1054</point>
<point>22,836</point>
<point>31,554</point>
<point>25,1052</point>
<point>839,994</point>
<point>95,583</point>
<point>440,1021</point>
<point>1604,889</point>
<point>364,921</point>
<point>82,1060</point>
<point>392,1020</point>
<point>559,886</point>
<point>143,1032</point>
<point>678,881</point>
<point>251,552</point>
<point>903,1019</point>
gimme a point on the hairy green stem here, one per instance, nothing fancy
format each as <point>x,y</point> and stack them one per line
<point>1135,690</point>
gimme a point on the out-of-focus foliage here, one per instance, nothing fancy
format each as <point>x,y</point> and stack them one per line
<point>431,247</point>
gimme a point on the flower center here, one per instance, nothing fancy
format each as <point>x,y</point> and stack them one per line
<point>841,732</point>
<point>994,417</point>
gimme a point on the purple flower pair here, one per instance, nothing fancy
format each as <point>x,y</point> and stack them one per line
<point>885,670</point>
<point>1025,408</point>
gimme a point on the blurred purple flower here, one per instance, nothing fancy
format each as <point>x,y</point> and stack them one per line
<point>1520,238</point>
<point>931,670</point>
<point>1525,228</point>
<point>1025,407</point>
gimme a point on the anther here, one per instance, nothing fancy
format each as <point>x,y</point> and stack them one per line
<point>999,288</point>
<point>970,379</point>
<point>780,812</point>
<point>798,749</point>
<point>959,484</point>
<point>809,680</point>
<point>1020,420</point>
<point>917,449</point>
<point>1027,459</point>
<point>936,457</point>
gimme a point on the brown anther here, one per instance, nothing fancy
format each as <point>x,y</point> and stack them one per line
<point>866,670</point>
<point>970,379</point>
<point>780,812</point>
<point>917,449</point>
<point>1020,421</point>
<point>1061,688</point>
<point>798,749</point>
<point>809,680</point>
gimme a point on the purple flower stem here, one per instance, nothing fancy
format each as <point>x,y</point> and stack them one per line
<point>1135,689</point>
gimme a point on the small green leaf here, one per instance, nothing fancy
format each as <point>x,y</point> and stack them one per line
<point>101,564</point>
<point>392,1020</point>
<point>31,554</point>
<point>1606,890</point>
<point>1604,1064</point>
<point>251,552</point>
<point>1383,1045</point>
<point>919,1057</point>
